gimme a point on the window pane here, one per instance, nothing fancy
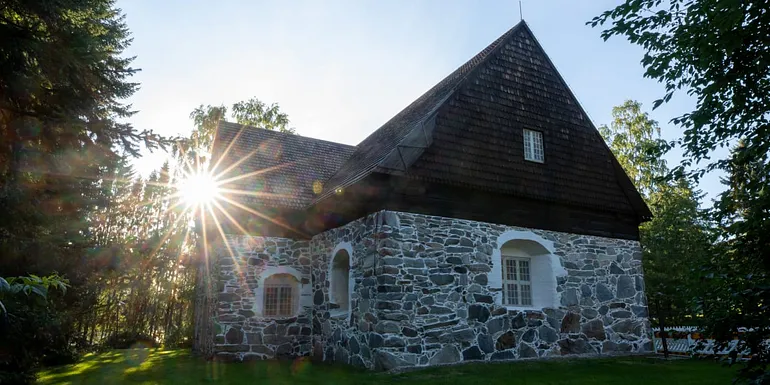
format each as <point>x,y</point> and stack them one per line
<point>526,295</point>
<point>285,301</point>
<point>340,279</point>
<point>510,269</point>
<point>533,145</point>
<point>523,270</point>
<point>278,300</point>
<point>537,145</point>
<point>271,301</point>
<point>512,294</point>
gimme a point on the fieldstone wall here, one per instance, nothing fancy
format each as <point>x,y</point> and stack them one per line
<point>344,339</point>
<point>242,334</point>
<point>422,296</point>
<point>434,304</point>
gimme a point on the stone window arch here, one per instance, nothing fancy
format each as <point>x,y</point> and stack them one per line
<point>524,271</point>
<point>278,292</point>
<point>340,279</point>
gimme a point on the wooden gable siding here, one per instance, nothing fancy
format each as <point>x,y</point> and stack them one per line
<point>383,145</point>
<point>390,192</point>
<point>398,193</point>
<point>458,152</point>
<point>485,206</point>
<point>478,137</point>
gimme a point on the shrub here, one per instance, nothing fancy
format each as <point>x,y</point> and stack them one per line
<point>126,340</point>
<point>29,327</point>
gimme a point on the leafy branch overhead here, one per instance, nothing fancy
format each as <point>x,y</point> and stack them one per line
<point>64,76</point>
<point>716,51</point>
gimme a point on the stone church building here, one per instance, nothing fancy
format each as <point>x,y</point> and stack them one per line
<point>488,220</point>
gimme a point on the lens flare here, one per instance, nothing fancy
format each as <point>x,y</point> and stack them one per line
<point>199,188</point>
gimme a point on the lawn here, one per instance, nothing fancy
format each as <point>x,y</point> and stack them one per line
<point>178,367</point>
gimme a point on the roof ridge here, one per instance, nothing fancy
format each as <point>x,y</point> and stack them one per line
<point>457,77</point>
<point>481,57</point>
<point>285,134</point>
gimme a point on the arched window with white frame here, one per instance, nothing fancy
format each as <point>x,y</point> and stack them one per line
<point>281,296</point>
<point>340,280</point>
<point>517,280</point>
<point>524,271</point>
<point>278,292</point>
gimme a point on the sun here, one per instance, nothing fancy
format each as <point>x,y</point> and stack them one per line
<point>199,188</point>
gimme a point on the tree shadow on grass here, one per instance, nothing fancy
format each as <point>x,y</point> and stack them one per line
<point>102,368</point>
<point>191,370</point>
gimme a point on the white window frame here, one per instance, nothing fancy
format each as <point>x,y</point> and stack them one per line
<point>282,309</point>
<point>533,146</point>
<point>340,312</point>
<point>515,283</point>
<point>299,293</point>
<point>546,268</point>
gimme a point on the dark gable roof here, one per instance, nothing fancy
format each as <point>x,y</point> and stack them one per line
<point>285,168</point>
<point>404,133</point>
<point>467,131</point>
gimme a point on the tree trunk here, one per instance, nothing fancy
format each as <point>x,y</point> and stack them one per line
<point>205,307</point>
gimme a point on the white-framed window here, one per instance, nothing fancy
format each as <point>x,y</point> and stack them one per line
<point>340,285</point>
<point>281,295</point>
<point>517,281</point>
<point>533,146</point>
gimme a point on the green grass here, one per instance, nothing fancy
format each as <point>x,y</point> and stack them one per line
<point>178,367</point>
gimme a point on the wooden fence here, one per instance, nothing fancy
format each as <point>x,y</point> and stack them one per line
<point>689,341</point>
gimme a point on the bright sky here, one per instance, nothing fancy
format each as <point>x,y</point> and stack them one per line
<point>340,69</point>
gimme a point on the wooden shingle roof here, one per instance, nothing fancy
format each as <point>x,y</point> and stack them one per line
<point>281,170</point>
<point>404,132</point>
<point>467,131</point>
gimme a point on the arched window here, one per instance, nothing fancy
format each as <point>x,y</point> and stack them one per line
<point>278,292</point>
<point>340,281</point>
<point>517,281</point>
<point>281,295</point>
<point>525,271</point>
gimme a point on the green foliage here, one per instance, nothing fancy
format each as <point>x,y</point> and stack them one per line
<point>718,52</point>
<point>675,241</point>
<point>63,81</point>
<point>145,291</point>
<point>714,50</point>
<point>26,318</point>
<point>32,284</point>
<point>737,290</point>
<point>635,140</point>
<point>252,112</point>
<point>128,340</point>
<point>63,75</point>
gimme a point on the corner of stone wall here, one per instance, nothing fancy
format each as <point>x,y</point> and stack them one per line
<point>346,340</point>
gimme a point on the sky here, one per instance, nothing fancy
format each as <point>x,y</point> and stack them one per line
<point>340,69</point>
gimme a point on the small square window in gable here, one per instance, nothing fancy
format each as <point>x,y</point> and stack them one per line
<point>533,146</point>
